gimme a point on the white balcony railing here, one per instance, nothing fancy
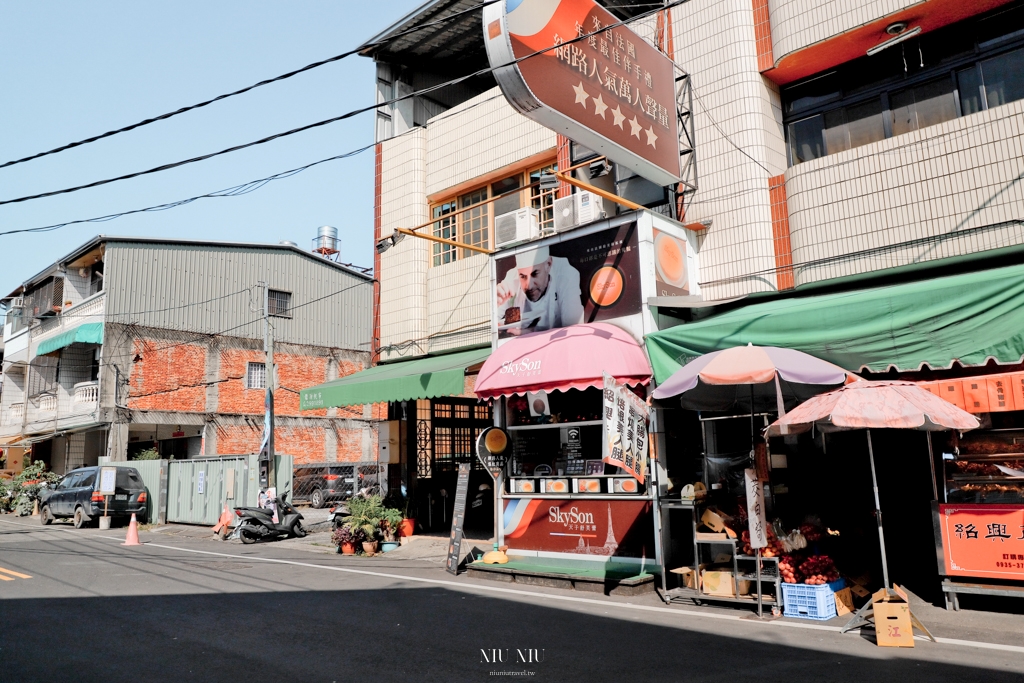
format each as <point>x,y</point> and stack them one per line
<point>15,414</point>
<point>48,403</point>
<point>90,310</point>
<point>87,395</point>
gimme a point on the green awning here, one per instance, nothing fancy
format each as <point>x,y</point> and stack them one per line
<point>87,333</point>
<point>970,318</point>
<point>421,378</point>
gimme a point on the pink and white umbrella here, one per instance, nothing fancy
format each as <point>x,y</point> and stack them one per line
<point>876,405</point>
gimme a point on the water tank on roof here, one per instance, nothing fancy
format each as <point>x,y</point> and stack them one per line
<point>326,241</point>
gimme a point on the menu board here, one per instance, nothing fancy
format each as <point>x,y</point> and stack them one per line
<point>458,518</point>
<point>625,429</point>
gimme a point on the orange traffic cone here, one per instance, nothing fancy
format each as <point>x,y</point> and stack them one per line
<point>133,533</point>
<point>224,523</point>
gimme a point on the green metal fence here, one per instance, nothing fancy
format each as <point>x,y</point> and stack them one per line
<point>198,488</point>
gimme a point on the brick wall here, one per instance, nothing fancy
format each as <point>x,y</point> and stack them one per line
<point>167,376</point>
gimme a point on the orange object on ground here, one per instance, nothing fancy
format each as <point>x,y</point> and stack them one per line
<point>225,520</point>
<point>133,533</point>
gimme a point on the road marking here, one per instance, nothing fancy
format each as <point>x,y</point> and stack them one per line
<point>13,573</point>
<point>5,578</point>
<point>547,596</point>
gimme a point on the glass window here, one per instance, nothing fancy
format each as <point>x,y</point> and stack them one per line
<point>511,202</point>
<point>75,479</point>
<point>543,200</point>
<point>256,376</point>
<point>1004,78</point>
<point>475,226</point>
<point>812,93</point>
<point>445,229</point>
<point>279,303</point>
<point>925,105</point>
<point>805,139</point>
<point>88,480</point>
<point>854,126</point>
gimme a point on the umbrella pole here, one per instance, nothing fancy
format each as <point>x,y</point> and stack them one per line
<point>878,513</point>
<point>931,464</point>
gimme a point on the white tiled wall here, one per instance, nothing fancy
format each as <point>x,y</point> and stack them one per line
<point>477,137</point>
<point>965,174</point>
<point>799,23</point>
<point>459,304</point>
<point>715,43</point>
<point>403,290</point>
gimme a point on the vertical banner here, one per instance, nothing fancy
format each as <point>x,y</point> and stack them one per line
<point>458,518</point>
<point>624,429</point>
<point>755,509</point>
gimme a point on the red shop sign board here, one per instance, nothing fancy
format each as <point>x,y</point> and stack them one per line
<point>983,540</point>
<point>621,528</point>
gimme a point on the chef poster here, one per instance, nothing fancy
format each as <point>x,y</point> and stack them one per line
<point>584,279</point>
<point>625,429</point>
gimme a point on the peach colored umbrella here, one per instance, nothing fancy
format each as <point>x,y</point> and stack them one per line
<point>876,405</point>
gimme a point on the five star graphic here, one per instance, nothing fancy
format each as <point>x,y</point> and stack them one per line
<point>581,94</point>
<point>600,106</point>
<point>618,116</point>
<point>635,127</point>
<point>651,137</point>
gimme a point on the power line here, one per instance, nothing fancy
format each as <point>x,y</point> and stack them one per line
<point>182,110</point>
<point>334,119</point>
<point>235,191</point>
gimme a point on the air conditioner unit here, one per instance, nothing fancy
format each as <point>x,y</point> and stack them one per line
<point>578,209</point>
<point>516,226</point>
<point>18,302</point>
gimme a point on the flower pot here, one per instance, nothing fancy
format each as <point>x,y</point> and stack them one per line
<point>348,548</point>
<point>388,546</point>
<point>370,547</point>
<point>408,527</point>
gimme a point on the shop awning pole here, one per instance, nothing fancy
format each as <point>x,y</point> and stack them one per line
<point>931,464</point>
<point>878,513</point>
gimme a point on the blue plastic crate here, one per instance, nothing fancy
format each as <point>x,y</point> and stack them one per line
<point>811,602</point>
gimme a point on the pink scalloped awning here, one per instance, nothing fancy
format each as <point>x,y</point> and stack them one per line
<point>567,358</point>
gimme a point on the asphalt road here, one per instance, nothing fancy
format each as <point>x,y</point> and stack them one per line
<point>183,609</point>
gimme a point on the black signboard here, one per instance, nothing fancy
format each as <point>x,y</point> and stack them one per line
<point>458,517</point>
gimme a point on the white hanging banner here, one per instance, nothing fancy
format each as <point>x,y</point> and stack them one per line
<point>625,429</point>
<point>755,509</point>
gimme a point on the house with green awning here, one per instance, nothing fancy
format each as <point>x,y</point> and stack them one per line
<point>126,345</point>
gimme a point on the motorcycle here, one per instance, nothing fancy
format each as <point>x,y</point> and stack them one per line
<point>256,524</point>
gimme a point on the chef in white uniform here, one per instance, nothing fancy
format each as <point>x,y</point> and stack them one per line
<point>541,285</point>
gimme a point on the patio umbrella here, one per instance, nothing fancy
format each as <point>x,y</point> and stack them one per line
<point>875,405</point>
<point>751,376</point>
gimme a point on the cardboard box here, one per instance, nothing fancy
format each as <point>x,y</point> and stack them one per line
<point>687,575</point>
<point>844,602</point>
<point>720,582</point>
<point>893,627</point>
<point>713,520</point>
<point>711,536</point>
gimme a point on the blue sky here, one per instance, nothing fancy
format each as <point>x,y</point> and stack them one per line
<point>72,70</point>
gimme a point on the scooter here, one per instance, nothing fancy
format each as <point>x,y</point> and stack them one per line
<point>256,524</point>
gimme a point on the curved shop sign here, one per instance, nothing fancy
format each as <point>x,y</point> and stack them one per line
<point>610,91</point>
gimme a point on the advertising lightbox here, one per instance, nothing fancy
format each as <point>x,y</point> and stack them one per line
<point>610,91</point>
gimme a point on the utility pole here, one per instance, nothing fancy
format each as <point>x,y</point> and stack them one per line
<point>268,405</point>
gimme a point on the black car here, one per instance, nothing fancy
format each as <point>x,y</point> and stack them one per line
<point>77,496</point>
<point>320,484</point>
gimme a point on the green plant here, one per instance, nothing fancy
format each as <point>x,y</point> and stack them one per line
<point>364,515</point>
<point>390,520</point>
<point>344,534</point>
<point>27,486</point>
<point>148,454</point>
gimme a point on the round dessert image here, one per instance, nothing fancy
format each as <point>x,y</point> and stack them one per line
<point>512,315</point>
<point>495,441</point>
<point>670,260</point>
<point>606,286</point>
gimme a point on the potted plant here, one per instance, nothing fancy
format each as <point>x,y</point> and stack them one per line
<point>408,525</point>
<point>390,523</point>
<point>364,518</point>
<point>345,539</point>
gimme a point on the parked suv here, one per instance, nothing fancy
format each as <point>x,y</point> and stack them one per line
<point>320,484</point>
<point>77,496</point>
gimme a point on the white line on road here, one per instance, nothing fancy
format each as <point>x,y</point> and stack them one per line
<point>544,596</point>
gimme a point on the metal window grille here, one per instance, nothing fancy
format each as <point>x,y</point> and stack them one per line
<point>475,223</point>
<point>445,229</point>
<point>256,376</point>
<point>279,303</point>
<point>424,455</point>
<point>544,200</point>
<point>455,425</point>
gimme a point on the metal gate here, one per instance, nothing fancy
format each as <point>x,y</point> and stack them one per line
<point>198,488</point>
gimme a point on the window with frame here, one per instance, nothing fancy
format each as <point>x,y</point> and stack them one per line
<point>455,425</point>
<point>962,69</point>
<point>474,212</point>
<point>256,376</point>
<point>279,303</point>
